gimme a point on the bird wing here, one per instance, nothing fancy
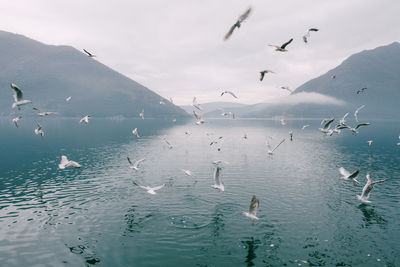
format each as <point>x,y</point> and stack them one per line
<point>245,15</point>
<point>285,44</point>
<point>278,145</point>
<point>305,39</point>
<point>137,163</point>
<point>196,115</point>
<point>262,75</point>
<point>357,110</point>
<point>343,120</point>
<point>73,164</point>
<point>217,180</point>
<point>344,172</point>
<point>17,92</point>
<point>158,187</point>
<point>129,160</point>
<point>37,110</point>
<point>254,204</point>
<point>326,126</point>
<point>362,124</point>
<point>229,33</point>
<point>380,181</point>
<point>232,94</point>
<point>354,174</point>
<point>89,54</point>
<point>313,30</point>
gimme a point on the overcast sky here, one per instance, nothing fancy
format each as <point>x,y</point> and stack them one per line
<point>176,47</point>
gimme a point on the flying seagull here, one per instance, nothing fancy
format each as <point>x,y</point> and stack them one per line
<point>263,72</point>
<point>228,92</point>
<point>135,165</point>
<point>44,113</point>
<point>198,118</point>
<point>68,99</point>
<point>347,176</point>
<point>18,97</point>
<point>282,47</point>
<point>359,91</point>
<point>38,130</point>
<point>369,142</point>
<point>305,126</point>
<point>356,112</point>
<point>254,204</point>
<point>333,76</point>
<point>152,190</point>
<point>286,88</point>
<point>135,132</point>
<point>187,172</point>
<point>88,53</point>
<point>168,143</point>
<point>354,130</point>
<point>16,120</point>
<point>327,125</point>
<point>238,23</point>
<point>217,180</point>
<point>270,150</point>
<point>85,119</point>
<point>68,163</point>
<point>305,37</point>
<point>196,104</point>
<point>291,135</point>
<point>368,188</point>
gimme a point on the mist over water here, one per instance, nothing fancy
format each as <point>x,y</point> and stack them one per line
<point>96,215</point>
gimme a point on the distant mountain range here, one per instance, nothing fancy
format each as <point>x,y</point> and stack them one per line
<point>335,92</point>
<point>213,107</point>
<point>48,74</point>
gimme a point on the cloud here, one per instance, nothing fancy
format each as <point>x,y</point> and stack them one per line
<point>308,98</point>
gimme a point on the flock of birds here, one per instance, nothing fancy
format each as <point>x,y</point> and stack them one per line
<point>254,203</point>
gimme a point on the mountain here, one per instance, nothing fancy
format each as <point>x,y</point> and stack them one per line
<point>213,107</point>
<point>48,74</point>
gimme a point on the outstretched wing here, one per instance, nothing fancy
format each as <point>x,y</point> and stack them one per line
<point>17,92</point>
<point>278,145</point>
<point>380,181</point>
<point>285,44</point>
<point>217,179</point>
<point>326,126</point>
<point>362,124</point>
<point>356,112</point>
<point>254,204</point>
<point>245,15</point>
<point>229,33</point>
<point>313,30</point>
<point>158,187</point>
<point>354,174</point>
<point>344,172</point>
<point>137,163</point>
<point>129,160</point>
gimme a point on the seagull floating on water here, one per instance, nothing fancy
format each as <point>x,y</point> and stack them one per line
<point>68,163</point>
<point>263,72</point>
<point>270,150</point>
<point>282,48</point>
<point>18,97</point>
<point>368,188</point>
<point>228,92</point>
<point>16,120</point>
<point>253,209</point>
<point>135,165</point>
<point>217,179</point>
<point>44,113</point>
<point>347,176</point>
<point>135,132</point>
<point>88,53</point>
<point>85,119</point>
<point>238,23</point>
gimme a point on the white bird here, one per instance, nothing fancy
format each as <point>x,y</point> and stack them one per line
<point>305,37</point>
<point>252,214</point>
<point>369,142</point>
<point>135,165</point>
<point>343,120</point>
<point>198,118</point>
<point>85,119</point>
<point>67,163</point>
<point>270,150</point>
<point>368,188</point>
<point>217,180</point>
<point>44,113</point>
<point>168,143</point>
<point>152,190</point>
<point>135,132</point>
<point>286,88</point>
<point>196,104</point>
<point>347,176</point>
<point>187,172</point>
<point>68,99</point>
<point>174,120</point>
<point>305,126</point>
<point>141,114</point>
<point>38,130</point>
<point>162,102</point>
<point>18,97</point>
<point>327,125</point>
<point>16,120</point>
<point>281,48</point>
<point>354,130</point>
<point>228,92</point>
<point>238,23</point>
<point>88,53</point>
<point>356,112</point>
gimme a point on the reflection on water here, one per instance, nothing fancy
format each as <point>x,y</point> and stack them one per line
<point>96,215</point>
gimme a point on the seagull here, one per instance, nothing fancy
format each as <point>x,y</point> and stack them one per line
<point>349,177</point>
<point>85,119</point>
<point>286,88</point>
<point>228,92</point>
<point>238,23</point>
<point>245,136</point>
<point>16,120</point>
<point>188,133</point>
<point>88,53</point>
<point>333,77</point>
<point>291,135</point>
<point>282,47</point>
<point>198,118</point>
<point>327,125</point>
<point>356,112</point>
<point>168,143</point>
<point>45,113</point>
<point>141,114</point>
<point>263,72</point>
<point>187,172</point>
<point>38,130</point>
<point>359,91</point>
<point>135,165</point>
<point>305,126</point>
<point>369,142</point>
<point>195,104</point>
<point>254,204</point>
<point>217,180</point>
<point>368,188</point>
<point>162,102</point>
<point>308,34</point>
<point>354,130</point>
<point>152,190</point>
<point>270,150</point>
<point>68,99</point>
<point>67,163</point>
<point>135,132</point>
<point>18,97</point>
